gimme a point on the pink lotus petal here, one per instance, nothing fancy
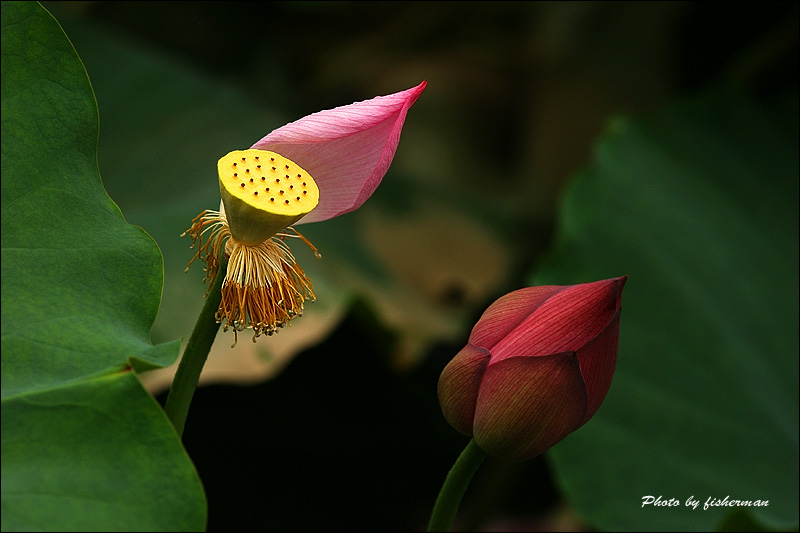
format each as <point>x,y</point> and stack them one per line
<point>565,322</point>
<point>347,150</point>
<point>528,404</point>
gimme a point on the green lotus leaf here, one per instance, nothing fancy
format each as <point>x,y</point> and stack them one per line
<point>84,446</point>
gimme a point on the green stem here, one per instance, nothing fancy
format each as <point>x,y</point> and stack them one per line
<point>456,483</point>
<point>195,355</point>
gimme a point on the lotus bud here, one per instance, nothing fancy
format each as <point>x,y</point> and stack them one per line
<point>537,366</point>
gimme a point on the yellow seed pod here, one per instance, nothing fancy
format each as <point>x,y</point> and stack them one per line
<point>263,193</point>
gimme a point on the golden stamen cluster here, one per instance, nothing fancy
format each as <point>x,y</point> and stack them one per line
<point>214,227</point>
<point>264,287</point>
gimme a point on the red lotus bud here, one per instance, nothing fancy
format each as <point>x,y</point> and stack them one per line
<point>537,366</point>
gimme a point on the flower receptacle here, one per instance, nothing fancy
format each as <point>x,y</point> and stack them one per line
<point>263,193</point>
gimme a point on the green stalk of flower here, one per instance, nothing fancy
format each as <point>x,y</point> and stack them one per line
<point>455,485</point>
<point>195,355</point>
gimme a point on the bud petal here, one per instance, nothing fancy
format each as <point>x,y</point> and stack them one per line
<point>458,386</point>
<point>505,314</point>
<point>598,360</point>
<point>527,404</point>
<point>565,321</point>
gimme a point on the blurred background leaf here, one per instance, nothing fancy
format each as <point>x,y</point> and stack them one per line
<point>84,446</point>
<point>698,205</point>
<point>517,94</point>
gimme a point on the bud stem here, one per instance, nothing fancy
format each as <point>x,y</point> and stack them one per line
<point>196,353</point>
<point>455,485</point>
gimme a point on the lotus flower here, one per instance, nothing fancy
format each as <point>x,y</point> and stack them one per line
<point>316,168</point>
<point>537,366</point>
